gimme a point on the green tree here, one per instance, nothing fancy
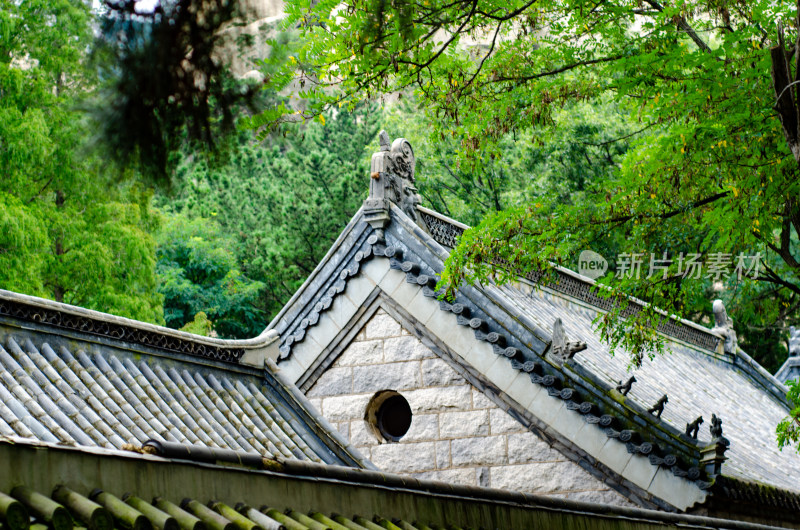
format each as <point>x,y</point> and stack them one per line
<point>709,172</point>
<point>713,170</point>
<point>282,202</point>
<point>70,232</point>
<point>198,273</point>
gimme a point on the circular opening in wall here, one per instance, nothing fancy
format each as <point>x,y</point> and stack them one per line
<point>389,414</point>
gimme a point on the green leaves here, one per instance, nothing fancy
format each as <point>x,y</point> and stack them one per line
<point>788,430</point>
<point>696,163</point>
<point>201,283</point>
<point>68,233</point>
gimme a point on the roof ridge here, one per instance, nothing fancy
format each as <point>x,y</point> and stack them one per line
<point>446,230</point>
<point>60,316</point>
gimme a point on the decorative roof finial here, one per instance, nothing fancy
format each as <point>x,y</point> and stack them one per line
<point>383,139</point>
<point>562,349</point>
<point>723,326</point>
<point>692,428</point>
<point>713,455</point>
<point>392,172</point>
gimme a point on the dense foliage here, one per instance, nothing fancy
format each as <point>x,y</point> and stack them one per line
<point>282,203</point>
<point>201,283</point>
<point>164,82</point>
<point>708,170</point>
<point>67,231</point>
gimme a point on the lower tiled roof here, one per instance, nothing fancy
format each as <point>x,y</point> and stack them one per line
<point>64,508</point>
<point>48,486</point>
<point>75,393</point>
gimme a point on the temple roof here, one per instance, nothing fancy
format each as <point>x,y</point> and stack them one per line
<point>81,378</point>
<point>701,375</point>
<point>174,487</point>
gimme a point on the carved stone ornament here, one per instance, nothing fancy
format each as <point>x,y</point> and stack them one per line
<point>624,388</point>
<point>713,455</point>
<point>562,349</point>
<point>794,342</point>
<point>392,179</point>
<point>658,408</point>
<point>723,326</point>
<point>693,427</point>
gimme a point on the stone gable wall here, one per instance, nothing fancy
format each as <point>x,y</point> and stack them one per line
<point>457,434</point>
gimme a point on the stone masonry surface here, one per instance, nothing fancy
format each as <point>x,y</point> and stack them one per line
<point>457,435</point>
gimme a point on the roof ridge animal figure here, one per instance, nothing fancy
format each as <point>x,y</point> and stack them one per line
<point>658,408</point>
<point>624,388</point>
<point>692,428</point>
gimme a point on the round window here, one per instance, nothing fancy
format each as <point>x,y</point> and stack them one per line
<point>389,414</point>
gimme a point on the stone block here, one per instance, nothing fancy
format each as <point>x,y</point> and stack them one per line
<point>405,348</point>
<point>361,434</point>
<point>423,308</point>
<point>590,438</point>
<point>501,422</point>
<point>480,401</point>
<point>479,451</point>
<point>375,270</point>
<point>359,288</point>
<point>464,424</point>
<point>361,353</point>
<point>341,311</point>
<point>388,376</point>
<point>640,471</point>
<point>323,332</point>
<point>463,476</point>
<point>522,390</point>
<point>391,279</point>
<point>481,356</point>
<point>568,423</point>
<point>344,429</point>
<point>306,352</point>
<point>382,325</point>
<point>526,447</point>
<point>436,372</point>
<point>334,382</point>
<point>544,478</point>
<point>546,407</point>
<point>458,338</point>
<point>343,408</point>
<point>615,455</point>
<point>443,454</point>
<point>677,491</point>
<point>405,457</point>
<point>404,292</point>
<point>438,399</point>
<point>501,373</point>
<point>291,369</point>
<point>424,427</point>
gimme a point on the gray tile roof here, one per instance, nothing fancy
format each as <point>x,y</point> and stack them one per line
<point>697,382</point>
<point>75,377</point>
<point>100,396</point>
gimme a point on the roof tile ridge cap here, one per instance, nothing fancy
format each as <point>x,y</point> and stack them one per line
<point>311,277</point>
<point>316,416</point>
<point>674,318</point>
<point>443,217</point>
<point>579,277</point>
<point>266,337</point>
<point>768,378</point>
